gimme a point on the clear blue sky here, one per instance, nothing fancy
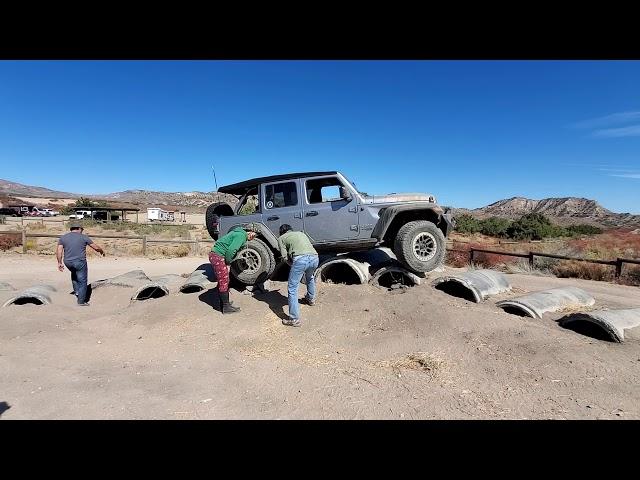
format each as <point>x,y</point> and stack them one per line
<point>470,132</point>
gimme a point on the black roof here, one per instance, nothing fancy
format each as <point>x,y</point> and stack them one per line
<point>241,187</point>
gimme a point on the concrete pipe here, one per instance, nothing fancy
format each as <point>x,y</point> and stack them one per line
<point>130,279</point>
<point>199,280</point>
<point>343,270</point>
<point>393,277</point>
<point>536,304</point>
<point>474,285</point>
<point>158,287</point>
<point>36,295</point>
<point>603,324</point>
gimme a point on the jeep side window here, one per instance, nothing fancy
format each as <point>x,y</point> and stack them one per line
<point>325,190</point>
<point>250,204</point>
<point>280,195</point>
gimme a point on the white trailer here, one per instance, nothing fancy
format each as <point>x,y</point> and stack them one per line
<point>160,215</point>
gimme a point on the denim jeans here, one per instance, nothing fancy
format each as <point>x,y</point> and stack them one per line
<point>79,273</point>
<point>302,265</point>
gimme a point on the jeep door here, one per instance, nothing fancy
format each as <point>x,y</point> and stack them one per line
<point>281,203</point>
<point>330,209</point>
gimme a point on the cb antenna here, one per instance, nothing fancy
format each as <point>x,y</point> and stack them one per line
<point>216,182</point>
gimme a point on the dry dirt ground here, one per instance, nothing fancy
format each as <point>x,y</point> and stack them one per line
<point>361,353</point>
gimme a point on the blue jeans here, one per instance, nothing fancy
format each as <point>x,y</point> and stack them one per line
<point>79,273</point>
<point>302,265</point>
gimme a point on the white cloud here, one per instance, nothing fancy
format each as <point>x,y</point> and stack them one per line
<point>625,175</point>
<point>632,131</point>
<point>612,119</point>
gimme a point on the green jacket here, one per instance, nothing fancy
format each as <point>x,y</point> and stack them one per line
<point>295,243</point>
<point>228,245</point>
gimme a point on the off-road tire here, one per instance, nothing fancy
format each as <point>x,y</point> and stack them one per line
<point>212,217</point>
<point>408,241</point>
<point>249,276</point>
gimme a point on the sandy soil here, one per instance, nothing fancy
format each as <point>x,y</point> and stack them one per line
<point>361,353</point>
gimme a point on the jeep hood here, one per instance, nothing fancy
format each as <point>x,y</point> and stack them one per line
<point>398,198</point>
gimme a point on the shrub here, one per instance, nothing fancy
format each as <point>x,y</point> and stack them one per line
<point>8,242</point>
<point>583,229</point>
<point>494,227</point>
<point>466,223</point>
<point>533,226</point>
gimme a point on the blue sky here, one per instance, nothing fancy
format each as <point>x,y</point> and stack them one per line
<point>470,132</point>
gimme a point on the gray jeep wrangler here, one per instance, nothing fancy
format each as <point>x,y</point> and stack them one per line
<point>335,215</point>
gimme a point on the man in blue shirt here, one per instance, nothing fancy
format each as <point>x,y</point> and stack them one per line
<point>73,246</point>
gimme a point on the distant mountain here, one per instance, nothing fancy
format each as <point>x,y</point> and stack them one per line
<point>183,199</point>
<point>8,188</point>
<point>564,211</point>
<point>192,201</point>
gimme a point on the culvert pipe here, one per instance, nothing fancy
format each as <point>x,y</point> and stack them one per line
<point>474,285</point>
<point>603,324</point>
<point>390,276</point>
<point>130,279</point>
<point>343,270</point>
<point>36,295</point>
<point>158,287</point>
<point>196,282</point>
<point>538,303</point>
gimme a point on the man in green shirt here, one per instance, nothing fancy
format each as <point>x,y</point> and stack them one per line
<point>296,248</point>
<point>221,257</point>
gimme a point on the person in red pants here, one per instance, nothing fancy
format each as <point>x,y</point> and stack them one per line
<point>221,256</point>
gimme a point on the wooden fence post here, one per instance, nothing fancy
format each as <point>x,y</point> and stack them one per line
<point>196,247</point>
<point>471,255</point>
<point>144,245</point>
<point>618,268</point>
<point>531,259</point>
<point>24,240</point>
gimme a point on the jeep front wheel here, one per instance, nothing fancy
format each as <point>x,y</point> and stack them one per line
<point>420,246</point>
<point>253,263</point>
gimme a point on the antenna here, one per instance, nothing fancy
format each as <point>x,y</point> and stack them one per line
<point>216,181</point>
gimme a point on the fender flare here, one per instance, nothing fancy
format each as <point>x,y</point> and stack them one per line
<point>264,232</point>
<point>387,215</point>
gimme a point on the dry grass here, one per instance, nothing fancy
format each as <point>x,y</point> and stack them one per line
<point>609,245</point>
<point>420,361</point>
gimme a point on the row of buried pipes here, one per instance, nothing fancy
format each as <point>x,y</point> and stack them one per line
<point>380,268</point>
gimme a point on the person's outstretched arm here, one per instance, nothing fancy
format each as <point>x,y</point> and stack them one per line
<point>97,248</point>
<point>59,252</point>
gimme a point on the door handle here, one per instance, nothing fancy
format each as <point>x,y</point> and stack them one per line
<point>312,213</point>
<point>275,217</point>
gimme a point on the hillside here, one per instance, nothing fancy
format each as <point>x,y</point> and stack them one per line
<point>565,211</point>
<point>13,192</point>
<point>14,189</point>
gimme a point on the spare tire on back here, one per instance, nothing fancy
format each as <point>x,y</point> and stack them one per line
<point>212,217</point>
<point>253,263</point>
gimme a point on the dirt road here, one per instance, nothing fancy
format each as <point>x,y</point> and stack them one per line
<point>361,353</point>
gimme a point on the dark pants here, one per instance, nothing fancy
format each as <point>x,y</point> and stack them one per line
<point>79,273</point>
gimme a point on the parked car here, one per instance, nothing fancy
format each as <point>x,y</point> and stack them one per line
<point>80,214</point>
<point>50,212</point>
<point>10,212</point>
<point>335,215</point>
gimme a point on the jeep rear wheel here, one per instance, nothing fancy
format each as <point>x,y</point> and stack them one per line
<point>420,246</point>
<point>254,262</point>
